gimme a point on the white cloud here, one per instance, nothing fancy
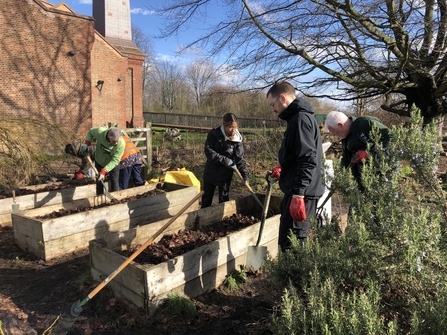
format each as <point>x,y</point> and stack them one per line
<point>142,11</point>
<point>85,2</point>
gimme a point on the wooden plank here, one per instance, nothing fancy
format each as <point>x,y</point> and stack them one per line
<point>58,236</point>
<point>197,286</point>
<point>195,272</point>
<point>192,220</point>
<point>120,291</point>
<point>71,224</point>
<point>45,198</point>
<point>106,261</point>
<point>89,201</point>
<point>28,236</point>
<point>205,258</point>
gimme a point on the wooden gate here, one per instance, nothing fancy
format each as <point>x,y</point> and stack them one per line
<point>142,138</point>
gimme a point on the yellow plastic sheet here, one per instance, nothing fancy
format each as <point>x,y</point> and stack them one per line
<point>183,177</point>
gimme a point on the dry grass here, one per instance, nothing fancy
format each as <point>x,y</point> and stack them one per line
<point>26,149</point>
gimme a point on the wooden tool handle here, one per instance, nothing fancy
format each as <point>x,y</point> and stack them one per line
<point>144,246</point>
<point>92,165</point>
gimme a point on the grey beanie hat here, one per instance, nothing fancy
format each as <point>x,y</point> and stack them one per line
<point>114,134</point>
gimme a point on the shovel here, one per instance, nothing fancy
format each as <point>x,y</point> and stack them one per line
<point>319,212</point>
<point>15,206</point>
<point>106,192</point>
<point>248,186</point>
<point>256,255</point>
<point>69,314</point>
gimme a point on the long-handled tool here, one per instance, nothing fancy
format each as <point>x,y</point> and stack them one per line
<point>69,314</point>
<point>319,212</point>
<point>248,186</point>
<point>15,206</point>
<point>256,255</point>
<point>106,192</point>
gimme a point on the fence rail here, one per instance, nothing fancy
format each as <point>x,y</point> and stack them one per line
<point>206,121</point>
<point>209,122</point>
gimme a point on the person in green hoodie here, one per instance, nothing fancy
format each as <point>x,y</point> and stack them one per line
<point>357,145</point>
<point>109,149</point>
<point>301,163</point>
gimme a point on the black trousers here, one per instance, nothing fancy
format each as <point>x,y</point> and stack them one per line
<point>114,177</point>
<point>286,223</point>
<point>208,188</point>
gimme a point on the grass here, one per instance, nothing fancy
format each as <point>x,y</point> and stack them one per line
<point>236,278</point>
<point>176,305</point>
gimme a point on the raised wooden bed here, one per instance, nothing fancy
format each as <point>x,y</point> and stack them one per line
<point>54,237</point>
<point>191,274</point>
<point>45,198</point>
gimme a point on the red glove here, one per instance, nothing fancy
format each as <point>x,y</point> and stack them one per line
<point>102,175</point>
<point>276,172</point>
<point>297,209</point>
<point>78,175</point>
<point>359,156</point>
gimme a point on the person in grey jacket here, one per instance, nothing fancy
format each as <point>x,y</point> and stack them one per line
<point>301,163</point>
<point>224,151</point>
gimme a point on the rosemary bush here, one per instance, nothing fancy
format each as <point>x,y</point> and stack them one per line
<point>386,273</point>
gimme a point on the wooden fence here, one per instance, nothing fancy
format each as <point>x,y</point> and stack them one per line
<point>200,122</point>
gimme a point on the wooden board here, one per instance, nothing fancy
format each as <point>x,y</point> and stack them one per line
<point>54,237</point>
<point>42,199</point>
<point>191,274</point>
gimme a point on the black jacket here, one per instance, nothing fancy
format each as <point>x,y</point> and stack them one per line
<point>359,139</point>
<point>218,154</point>
<point>301,152</point>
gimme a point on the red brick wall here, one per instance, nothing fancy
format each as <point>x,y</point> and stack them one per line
<point>40,79</point>
<point>119,101</point>
<point>109,104</point>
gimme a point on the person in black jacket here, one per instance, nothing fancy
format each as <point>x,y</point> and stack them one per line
<point>301,163</point>
<point>224,150</point>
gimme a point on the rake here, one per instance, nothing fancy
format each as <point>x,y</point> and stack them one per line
<point>69,314</point>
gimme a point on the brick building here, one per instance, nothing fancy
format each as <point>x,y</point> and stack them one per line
<point>57,67</point>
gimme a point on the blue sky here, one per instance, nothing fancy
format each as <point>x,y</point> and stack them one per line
<point>149,22</point>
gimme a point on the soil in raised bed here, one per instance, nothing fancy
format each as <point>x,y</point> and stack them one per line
<point>51,187</point>
<point>64,212</point>
<point>173,245</point>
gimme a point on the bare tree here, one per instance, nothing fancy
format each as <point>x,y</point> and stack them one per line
<point>167,85</point>
<point>343,50</point>
<point>201,74</point>
<point>143,42</point>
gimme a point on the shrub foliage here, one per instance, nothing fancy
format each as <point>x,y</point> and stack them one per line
<point>385,274</point>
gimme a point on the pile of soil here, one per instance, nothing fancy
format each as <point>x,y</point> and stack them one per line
<point>64,212</point>
<point>173,245</point>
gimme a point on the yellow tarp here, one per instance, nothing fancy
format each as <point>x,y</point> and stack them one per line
<point>183,177</point>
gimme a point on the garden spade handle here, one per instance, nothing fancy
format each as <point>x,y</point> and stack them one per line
<point>77,309</point>
<point>247,185</point>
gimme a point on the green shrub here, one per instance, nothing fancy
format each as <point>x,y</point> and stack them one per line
<point>386,273</point>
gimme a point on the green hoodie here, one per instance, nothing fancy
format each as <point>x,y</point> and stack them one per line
<point>107,155</point>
